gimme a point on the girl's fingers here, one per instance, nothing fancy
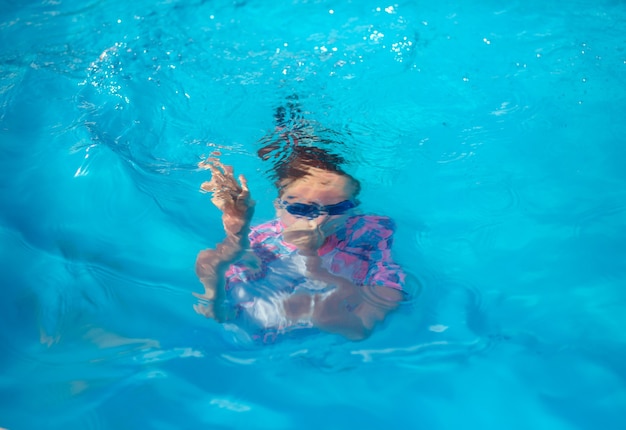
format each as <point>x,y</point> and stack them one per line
<point>244,183</point>
<point>244,202</point>
<point>216,164</point>
<point>218,170</point>
<point>225,188</point>
<point>208,163</point>
<point>216,176</point>
<point>222,173</point>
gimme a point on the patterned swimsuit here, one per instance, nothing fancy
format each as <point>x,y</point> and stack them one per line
<point>257,284</point>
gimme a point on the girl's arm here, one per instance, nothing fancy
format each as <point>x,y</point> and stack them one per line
<point>237,209</point>
<point>350,310</point>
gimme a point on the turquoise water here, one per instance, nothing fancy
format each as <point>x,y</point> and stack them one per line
<point>493,134</point>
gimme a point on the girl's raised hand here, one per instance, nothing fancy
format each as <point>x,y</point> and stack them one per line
<point>230,196</point>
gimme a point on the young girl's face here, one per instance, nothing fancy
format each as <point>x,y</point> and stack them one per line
<point>321,201</point>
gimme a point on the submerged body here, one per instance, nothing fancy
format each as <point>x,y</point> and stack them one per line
<point>263,287</point>
<point>318,265</point>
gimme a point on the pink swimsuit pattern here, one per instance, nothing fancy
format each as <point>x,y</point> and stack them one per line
<point>360,251</point>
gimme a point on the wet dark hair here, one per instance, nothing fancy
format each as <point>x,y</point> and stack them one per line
<point>295,147</point>
<point>293,162</point>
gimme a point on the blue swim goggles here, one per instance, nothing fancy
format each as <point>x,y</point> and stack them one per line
<point>314,210</point>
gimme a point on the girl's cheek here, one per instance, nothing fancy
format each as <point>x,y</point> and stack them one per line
<point>286,218</point>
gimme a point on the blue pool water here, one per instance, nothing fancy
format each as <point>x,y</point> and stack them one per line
<point>492,132</point>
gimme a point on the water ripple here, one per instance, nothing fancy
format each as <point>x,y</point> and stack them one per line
<point>494,197</point>
<point>599,215</point>
<point>422,354</point>
<point>444,323</point>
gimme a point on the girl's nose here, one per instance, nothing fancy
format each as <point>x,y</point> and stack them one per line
<point>319,220</point>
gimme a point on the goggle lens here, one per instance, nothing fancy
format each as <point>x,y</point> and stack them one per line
<point>313,210</point>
